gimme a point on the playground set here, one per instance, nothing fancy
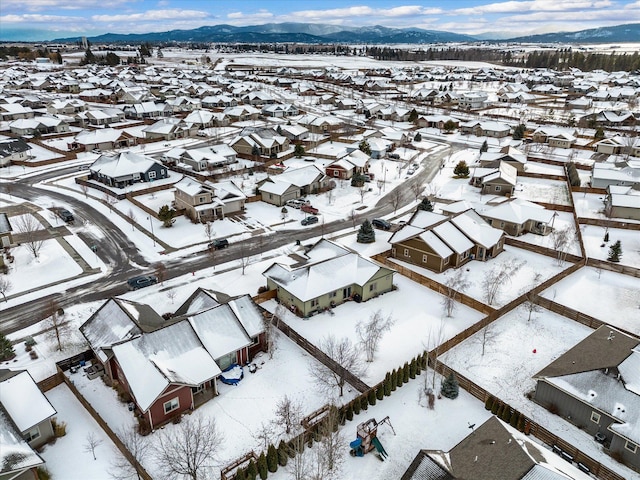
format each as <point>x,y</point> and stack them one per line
<point>367,439</point>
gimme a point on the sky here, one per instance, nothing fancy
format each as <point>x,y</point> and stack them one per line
<point>33,20</point>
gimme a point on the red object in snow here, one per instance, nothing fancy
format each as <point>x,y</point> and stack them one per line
<point>534,350</point>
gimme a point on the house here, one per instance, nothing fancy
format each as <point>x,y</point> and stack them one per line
<point>555,137</point>
<point>144,110</point>
<point>279,110</point>
<point>204,118</point>
<point>126,168</point>
<point>294,132</point>
<point>291,184</point>
<point>492,451</point>
<point>622,202</point>
<point>102,139</point>
<point>507,154</point>
<point>594,385</point>
<point>486,129</point>
<point>265,141</point>
<point>206,202</point>
<point>437,121</point>
<point>101,117</point>
<point>325,124</point>
<point>18,461</point>
<point>170,367</point>
<point>328,276</point>
<point>203,159</point>
<point>38,125</point>
<point>241,113</point>
<point>26,406</point>
<point>517,217</point>
<point>13,149</point>
<point>618,145</point>
<point>439,242</point>
<point>15,111</point>
<point>495,181</point>
<point>169,129</point>
<point>6,239</point>
<point>472,100</point>
<point>605,174</point>
<point>344,168</point>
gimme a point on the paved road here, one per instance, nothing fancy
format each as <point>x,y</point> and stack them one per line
<point>125,261</point>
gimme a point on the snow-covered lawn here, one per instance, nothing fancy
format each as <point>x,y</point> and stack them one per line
<point>541,189</point>
<point>609,296</point>
<point>593,238</point>
<point>563,220</point>
<point>476,272</point>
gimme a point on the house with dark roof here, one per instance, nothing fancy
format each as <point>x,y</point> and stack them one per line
<point>596,386</point>
<point>126,168</point>
<point>493,451</point>
<point>13,149</point>
<point>6,239</point>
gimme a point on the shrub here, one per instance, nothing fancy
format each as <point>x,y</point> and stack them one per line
<point>364,402</point>
<point>405,373</point>
<point>59,428</point>
<point>356,406</point>
<point>144,427</point>
<point>380,392</point>
<point>262,289</point>
<point>488,404</point>
<point>283,455</point>
<point>572,173</point>
<point>553,408</point>
<point>30,342</point>
<point>366,234</point>
<point>262,466</point>
<point>450,388</point>
<point>272,459</point>
<point>461,170</point>
<point>43,473</point>
<point>372,397</point>
<point>6,349</point>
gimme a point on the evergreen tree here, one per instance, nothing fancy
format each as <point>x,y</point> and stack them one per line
<point>488,404</point>
<point>272,458</point>
<point>606,236</point>
<point>506,414</point>
<point>500,410</point>
<point>387,384</point>
<point>417,138</point>
<point>514,419</point>
<point>298,150</point>
<point>88,58</point>
<point>356,406</point>
<point>252,470</point>
<point>365,147</point>
<point>450,388</point>
<point>518,132</point>
<point>366,234</point>
<point>399,378</point>
<point>599,134</point>
<point>283,454</point>
<point>425,205</point>
<point>412,369</point>
<point>349,412</point>
<point>358,180</point>
<point>6,348</point>
<point>615,252</point>
<point>449,126</point>
<point>413,116</point>
<point>112,59</point>
<point>405,373</point>
<point>394,380</point>
<point>364,402</point>
<point>372,397</point>
<point>240,474</point>
<point>262,466</point>
<point>461,170</point>
<point>495,407</point>
<point>521,420</point>
<point>484,147</point>
<point>380,392</point>
<point>166,214</point>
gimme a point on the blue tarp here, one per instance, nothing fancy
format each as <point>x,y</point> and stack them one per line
<point>234,373</point>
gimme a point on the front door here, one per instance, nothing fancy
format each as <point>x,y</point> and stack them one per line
<point>346,292</point>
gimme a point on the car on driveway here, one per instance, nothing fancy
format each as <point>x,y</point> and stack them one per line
<point>309,220</point>
<point>381,224</point>
<point>141,281</point>
<point>307,208</point>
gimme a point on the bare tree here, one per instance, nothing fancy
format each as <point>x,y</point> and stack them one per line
<point>110,200</point>
<point>85,190</point>
<point>93,442</point>
<point>327,457</point>
<point>265,434</point>
<point>5,286</point>
<point>362,190</point>
<point>417,189</point>
<point>171,294</point>
<point>58,329</point>
<point>137,446</point>
<point>353,216</point>
<point>330,196</point>
<point>244,259</point>
<point>189,449</point>
<point>486,337</point>
<point>435,339</point>
<point>161,272</point>
<point>426,393</point>
<point>28,226</point>
<point>270,330</point>
<point>395,198</point>
<point>208,231</point>
<point>132,218</point>
<point>456,282</point>
<point>347,358</point>
<point>498,277</point>
<point>288,414</point>
<point>530,304</point>
<point>560,239</point>
<point>370,332</point>
<point>299,466</point>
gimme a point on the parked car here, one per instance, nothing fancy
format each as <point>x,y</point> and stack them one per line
<point>219,244</point>
<point>411,171</point>
<point>296,202</point>
<point>307,208</point>
<point>380,223</point>
<point>141,281</point>
<point>309,220</point>
<point>394,155</point>
<point>66,215</point>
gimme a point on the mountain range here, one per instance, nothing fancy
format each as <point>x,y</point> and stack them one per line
<point>323,33</point>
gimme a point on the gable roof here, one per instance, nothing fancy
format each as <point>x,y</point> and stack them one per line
<point>22,399</point>
<point>13,145</point>
<point>125,163</point>
<point>16,455</point>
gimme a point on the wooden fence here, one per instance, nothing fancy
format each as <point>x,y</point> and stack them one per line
<point>614,267</point>
<point>430,283</point>
<point>602,222</point>
<point>548,252</point>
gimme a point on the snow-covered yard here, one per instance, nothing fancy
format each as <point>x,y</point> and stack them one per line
<point>596,247</point>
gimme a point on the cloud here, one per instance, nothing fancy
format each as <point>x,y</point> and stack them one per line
<point>37,5</point>
<point>153,16</point>
<point>260,14</point>
<point>35,18</point>
<point>533,6</point>
<point>363,11</point>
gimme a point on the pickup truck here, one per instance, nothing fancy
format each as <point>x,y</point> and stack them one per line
<point>309,209</point>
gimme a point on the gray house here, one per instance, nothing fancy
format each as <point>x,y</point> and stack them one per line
<point>596,386</point>
<point>126,168</point>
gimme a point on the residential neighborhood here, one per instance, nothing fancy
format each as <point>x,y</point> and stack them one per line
<point>423,269</point>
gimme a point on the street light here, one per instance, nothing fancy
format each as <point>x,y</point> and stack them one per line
<point>153,235</point>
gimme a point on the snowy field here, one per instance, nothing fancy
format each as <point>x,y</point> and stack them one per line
<point>593,238</point>
<point>522,281</point>
<point>609,296</point>
<point>540,189</point>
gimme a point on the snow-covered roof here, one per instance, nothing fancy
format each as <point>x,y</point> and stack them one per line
<point>248,314</point>
<point>219,331</point>
<point>518,211</point>
<point>15,454</point>
<point>453,237</point>
<point>125,163</point>
<point>436,244</point>
<point>94,137</point>
<point>23,401</point>
<point>477,229</point>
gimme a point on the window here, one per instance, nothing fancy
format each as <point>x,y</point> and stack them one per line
<point>595,417</point>
<point>171,405</point>
<point>202,199</point>
<point>498,188</point>
<point>406,252</point>
<point>32,434</point>
<point>424,258</point>
<point>314,302</point>
<point>136,176</point>
<point>152,175</point>
<point>632,447</point>
<point>336,173</point>
<point>333,294</point>
<point>162,171</point>
<point>501,224</point>
<point>393,251</point>
<point>373,287</point>
<point>446,261</point>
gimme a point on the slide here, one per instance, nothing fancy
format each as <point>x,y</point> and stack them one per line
<point>379,448</point>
